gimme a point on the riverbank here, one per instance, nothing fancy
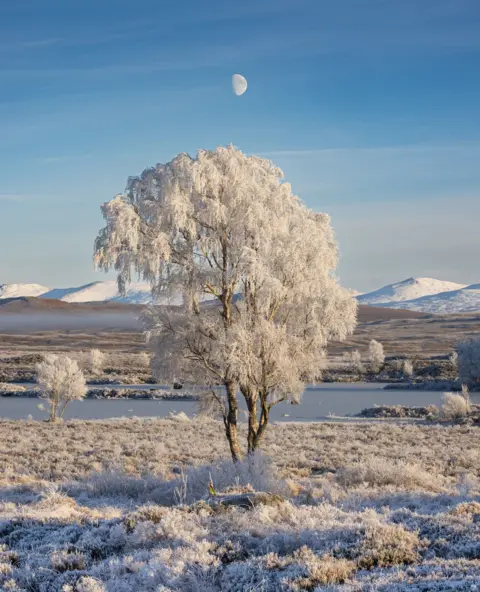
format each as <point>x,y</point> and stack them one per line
<point>125,393</point>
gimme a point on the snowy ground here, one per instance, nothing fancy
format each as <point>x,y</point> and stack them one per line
<point>116,506</point>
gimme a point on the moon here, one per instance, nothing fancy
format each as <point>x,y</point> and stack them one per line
<point>239,84</point>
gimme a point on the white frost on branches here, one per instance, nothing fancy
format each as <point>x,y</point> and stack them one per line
<point>469,361</point>
<point>96,361</point>
<point>224,225</point>
<point>353,360</point>
<point>61,381</point>
<point>408,368</point>
<point>376,355</point>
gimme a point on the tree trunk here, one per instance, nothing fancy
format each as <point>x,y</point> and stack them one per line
<point>53,410</point>
<point>251,400</point>
<point>231,420</point>
<point>262,424</point>
<point>63,409</point>
<point>256,426</point>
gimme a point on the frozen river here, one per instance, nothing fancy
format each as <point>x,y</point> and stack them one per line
<point>318,403</point>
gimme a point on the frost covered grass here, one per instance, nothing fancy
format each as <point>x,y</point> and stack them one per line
<point>124,505</point>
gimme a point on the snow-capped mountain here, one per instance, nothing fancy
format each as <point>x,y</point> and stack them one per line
<point>454,301</point>
<point>101,292</point>
<point>409,289</point>
<point>19,290</point>
<point>416,294</point>
<point>107,291</point>
<point>138,293</point>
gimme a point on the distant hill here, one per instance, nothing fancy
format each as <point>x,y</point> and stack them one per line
<point>107,291</point>
<point>426,295</point>
<point>369,314</point>
<point>94,292</point>
<point>409,289</point>
<point>18,290</point>
<point>49,305</point>
<point>455,301</point>
<point>101,292</point>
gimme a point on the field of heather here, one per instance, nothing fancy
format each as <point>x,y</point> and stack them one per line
<point>126,505</point>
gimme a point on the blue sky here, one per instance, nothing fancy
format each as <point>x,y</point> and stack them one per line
<point>371,107</point>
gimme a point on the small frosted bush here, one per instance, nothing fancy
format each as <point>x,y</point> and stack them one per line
<point>380,472</point>
<point>388,545</point>
<point>454,406</point>
<point>85,584</point>
<point>322,571</point>
<point>453,359</point>
<point>64,561</point>
<point>397,365</point>
<point>144,360</point>
<point>353,360</point>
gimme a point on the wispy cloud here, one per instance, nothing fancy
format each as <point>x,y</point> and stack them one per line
<point>381,174</point>
<point>16,197</point>
<point>75,39</point>
<point>65,158</point>
<point>374,150</point>
<point>31,44</point>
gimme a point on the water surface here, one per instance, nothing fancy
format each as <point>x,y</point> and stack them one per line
<point>318,403</point>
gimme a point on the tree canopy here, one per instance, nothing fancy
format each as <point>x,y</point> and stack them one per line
<point>255,268</point>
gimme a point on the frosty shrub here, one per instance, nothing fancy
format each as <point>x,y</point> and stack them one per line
<point>398,365</point>
<point>407,368</point>
<point>466,509</point>
<point>223,227</point>
<point>96,361</point>
<point>453,359</point>
<point>469,361</point>
<point>322,571</point>
<point>144,360</point>
<point>60,381</point>
<point>85,584</point>
<point>454,406</point>
<point>379,472</point>
<point>376,355</point>
<point>353,360</point>
<point>63,561</point>
<point>387,545</point>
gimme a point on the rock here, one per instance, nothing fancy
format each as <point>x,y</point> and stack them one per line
<point>399,411</point>
<point>246,501</point>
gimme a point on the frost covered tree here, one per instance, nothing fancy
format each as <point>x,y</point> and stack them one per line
<point>468,361</point>
<point>407,368</point>
<point>96,361</point>
<point>144,360</point>
<point>453,359</point>
<point>255,268</point>
<point>60,380</point>
<point>376,355</point>
<point>353,361</point>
